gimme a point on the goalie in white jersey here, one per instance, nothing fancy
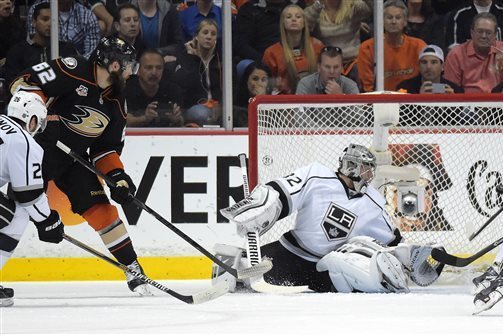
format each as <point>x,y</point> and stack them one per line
<point>343,239</point>
<point>21,169</point>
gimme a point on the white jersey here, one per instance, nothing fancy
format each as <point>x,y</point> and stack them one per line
<point>327,216</point>
<point>21,166</point>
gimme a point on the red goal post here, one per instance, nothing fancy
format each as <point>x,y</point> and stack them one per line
<point>454,140</point>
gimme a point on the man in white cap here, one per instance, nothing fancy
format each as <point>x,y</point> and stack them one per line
<point>430,79</point>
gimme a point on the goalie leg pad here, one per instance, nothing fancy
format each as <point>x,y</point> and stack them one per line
<point>359,268</point>
<point>232,256</point>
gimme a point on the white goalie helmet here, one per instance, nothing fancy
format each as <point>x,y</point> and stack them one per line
<point>359,164</point>
<point>24,106</point>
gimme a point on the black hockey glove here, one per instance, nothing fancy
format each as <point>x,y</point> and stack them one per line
<point>7,210</point>
<point>51,229</point>
<point>125,188</point>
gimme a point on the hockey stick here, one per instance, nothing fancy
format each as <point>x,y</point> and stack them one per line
<point>256,270</point>
<point>253,252</point>
<point>446,258</point>
<point>200,297</point>
<point>499,190</point>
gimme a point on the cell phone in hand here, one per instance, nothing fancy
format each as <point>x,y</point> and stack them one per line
<point>438,88</point>
<point>165,108</point>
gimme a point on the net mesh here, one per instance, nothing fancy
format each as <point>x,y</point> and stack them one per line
<point>455,146</point>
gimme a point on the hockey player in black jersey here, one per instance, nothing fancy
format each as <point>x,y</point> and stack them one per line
<point>343,239</point>
<point>20,168</point>
<point>87,112</point>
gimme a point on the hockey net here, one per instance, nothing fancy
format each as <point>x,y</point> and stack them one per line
<point>455,141</point>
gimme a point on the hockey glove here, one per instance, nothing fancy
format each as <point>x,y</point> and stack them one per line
<point>257,212</point>
<point>51,229</point>
<point>423,270</point>
<point>7,210</point>
<point>125,188</point>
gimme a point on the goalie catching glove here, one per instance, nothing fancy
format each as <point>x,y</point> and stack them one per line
<point>257,212</point>
<point>422,269</point>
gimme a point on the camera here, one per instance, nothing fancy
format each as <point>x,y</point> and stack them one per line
<point>164,108</point>
<point>410,198</point>
<point>438,88</point>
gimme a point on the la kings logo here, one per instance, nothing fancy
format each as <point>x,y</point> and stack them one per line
<point>338,222</point>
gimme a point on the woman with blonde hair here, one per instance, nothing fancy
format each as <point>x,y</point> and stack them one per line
<point>295,56</point>
<point>338,22</point>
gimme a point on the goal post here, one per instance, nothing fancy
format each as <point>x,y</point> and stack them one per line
<point>454,141</point>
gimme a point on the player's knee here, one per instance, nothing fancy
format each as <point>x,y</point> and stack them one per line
<point>101,216</point>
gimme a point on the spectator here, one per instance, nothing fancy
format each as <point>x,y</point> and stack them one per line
<point>424,23</point>
<point>191,17</point>
<point>152,101</point>
<point>400,51</point>
<point>171,42</point>
<point>11,28</point>
<point>328,79</point>
<point>156,16</point>
<point>472,65</point>
<point>77,25</point>
<point>127,25</point>
<point>253,79</point>
<point>431,65</point>
<point>257,26</point>
<point>295,55</point>
<point>459,22</point>
<point>338,22</point>
<point>36,49</point>
<point>199,71</point>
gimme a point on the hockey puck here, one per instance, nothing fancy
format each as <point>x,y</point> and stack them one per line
<point>499,189</point>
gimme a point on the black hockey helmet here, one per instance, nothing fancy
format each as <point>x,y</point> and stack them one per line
<point>112,49</point>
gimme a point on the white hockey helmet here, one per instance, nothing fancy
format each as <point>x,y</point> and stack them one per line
<point>359,164</point>
<point>24,106</point>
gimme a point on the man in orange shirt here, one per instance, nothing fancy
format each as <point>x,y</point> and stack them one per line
<point>473,64</point>
<point>400,51</point>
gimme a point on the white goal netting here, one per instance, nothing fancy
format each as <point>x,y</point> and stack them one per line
<point>456,145</point>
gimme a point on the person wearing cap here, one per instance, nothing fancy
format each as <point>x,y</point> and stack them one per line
<point>474,64</point>
<point>431,64</point>
<point>328,79</point>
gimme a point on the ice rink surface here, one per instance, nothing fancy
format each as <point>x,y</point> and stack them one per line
<point>109,308</point>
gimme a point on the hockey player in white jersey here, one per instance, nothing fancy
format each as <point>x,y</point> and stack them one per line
<point>21,169</point>
<point>343,239</point>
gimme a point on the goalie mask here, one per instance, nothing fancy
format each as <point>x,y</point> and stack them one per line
<point>112,49</point>
<point>359,164</point>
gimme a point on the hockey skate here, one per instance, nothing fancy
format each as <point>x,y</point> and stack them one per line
<point>488,297</point>
<point>484,280</point>
<point>136,284</point>
<point>6,296</point>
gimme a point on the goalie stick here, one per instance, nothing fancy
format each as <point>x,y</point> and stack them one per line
<point>200,297</point>
<point>257,270</point>
<point>253,252</point>
<point>446,258</point>
<point>499,190</point>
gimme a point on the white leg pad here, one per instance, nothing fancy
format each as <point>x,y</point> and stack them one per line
<point>371,274</point>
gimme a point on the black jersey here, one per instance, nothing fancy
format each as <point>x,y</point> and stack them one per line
<point>81,114</point>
